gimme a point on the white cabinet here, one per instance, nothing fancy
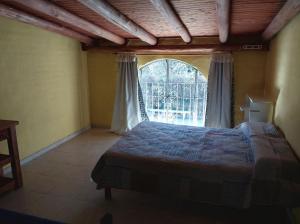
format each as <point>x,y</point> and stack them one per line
<point>257,109</point>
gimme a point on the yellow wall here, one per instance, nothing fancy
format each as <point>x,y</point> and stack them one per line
<point>283,81</point>
<point>43,84</point>
<point>249,78</point>
<point>102,70</point>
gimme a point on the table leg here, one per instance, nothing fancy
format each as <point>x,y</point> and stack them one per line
<point>15,160</point>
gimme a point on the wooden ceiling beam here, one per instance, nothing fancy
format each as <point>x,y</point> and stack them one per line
<point>176,45</point>
<point>290,9</point>
<point>15,14</point>
<point>183,49</point>
<point>60,15</point>
<point>111,14</point>
<point>166,10</point>
<point>223,17</point>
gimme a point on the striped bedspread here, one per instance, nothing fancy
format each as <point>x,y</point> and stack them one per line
<point>229,167</point>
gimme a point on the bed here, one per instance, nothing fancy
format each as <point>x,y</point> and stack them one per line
<point>238,167</point>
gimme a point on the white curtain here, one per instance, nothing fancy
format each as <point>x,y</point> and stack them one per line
<point>219,91</point>
<point>126,113</point>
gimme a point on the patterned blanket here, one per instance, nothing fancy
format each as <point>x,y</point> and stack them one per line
<point>217,166</point>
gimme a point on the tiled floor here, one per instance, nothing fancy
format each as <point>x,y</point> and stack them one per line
<point>57,186</point>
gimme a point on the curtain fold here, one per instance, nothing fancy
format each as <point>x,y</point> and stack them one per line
<point>219,91</point>
<point>143,113</point>
<point>126,113</point>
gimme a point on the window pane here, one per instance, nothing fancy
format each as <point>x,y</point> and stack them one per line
<point>179,98</point>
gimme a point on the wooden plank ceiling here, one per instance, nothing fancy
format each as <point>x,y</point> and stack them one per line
<point>178,18</point>
<point>198,16</point>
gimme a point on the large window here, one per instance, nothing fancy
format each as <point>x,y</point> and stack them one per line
<point>173,92</point>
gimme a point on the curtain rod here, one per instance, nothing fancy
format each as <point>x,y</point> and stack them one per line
<point>152,54</point>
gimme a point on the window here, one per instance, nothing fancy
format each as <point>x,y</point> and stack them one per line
<point>173,92</point>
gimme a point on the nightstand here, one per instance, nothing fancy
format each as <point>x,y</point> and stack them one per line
<point>257,109</point>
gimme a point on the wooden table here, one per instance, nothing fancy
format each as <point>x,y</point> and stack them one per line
<point>8,132</point>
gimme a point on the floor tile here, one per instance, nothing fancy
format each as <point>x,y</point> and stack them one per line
<point>58,186</point>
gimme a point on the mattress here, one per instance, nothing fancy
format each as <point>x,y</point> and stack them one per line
<point>231,167</point>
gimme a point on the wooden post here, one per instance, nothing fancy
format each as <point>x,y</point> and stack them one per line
<point>114,16</point>
<point>290,9</point>
<point>223,12</point>
<point>164,7</point>
<point>60,15</point>
<point>12,13</point>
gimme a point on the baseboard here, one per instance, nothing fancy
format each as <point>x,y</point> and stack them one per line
<point>48,148</point>
<point>100,126</point>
